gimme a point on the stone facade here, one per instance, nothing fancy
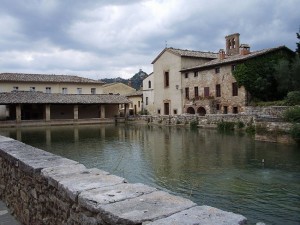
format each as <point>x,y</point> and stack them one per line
<point>148,94</point>
<point>42,188</point>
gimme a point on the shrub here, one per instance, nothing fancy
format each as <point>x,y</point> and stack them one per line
<point>240,124</point>
<point>292,114</point>
<point>194,124</point>
<point>295,132</point>
<point>250,130</point>
<point>225,126</point>
<point>293,98</point>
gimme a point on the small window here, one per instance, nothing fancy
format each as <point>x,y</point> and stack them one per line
<point>186,75</point>
<point>195,74</point>
<point>149,84</point>
<point>187,93</point>
<point>234,89</point>
<point>218,107</point>
<point>93,91</point>
<point>196,91</point>
<point>146,100</point>
<point>32,89</point>
<point>235,110</point>
<point>206,92</point>
<point>218,90</point>
<point>233,67</point>
<point>48,90</point>
<point>217,70</point>
<point>166,79</point>
<point>158,111</point>
<point>15,88</point>
<point>79,91</point>
<point>175,111</point>
<point>139,103</point>
<point>64,90</point>
<point>225,109</point>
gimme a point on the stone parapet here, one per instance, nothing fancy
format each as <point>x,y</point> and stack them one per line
<point>42,188</point>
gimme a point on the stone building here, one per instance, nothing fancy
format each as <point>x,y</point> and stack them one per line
<point>193,82</point>
<point>168,97</point>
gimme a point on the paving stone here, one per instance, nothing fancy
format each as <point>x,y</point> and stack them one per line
<point>147,207</point>
<point>86,180</point>
<point>205,215</point>
<point>91,199</point>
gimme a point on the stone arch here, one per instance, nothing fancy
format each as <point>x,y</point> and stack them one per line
<point>201,111</point>
<point>190,110</point>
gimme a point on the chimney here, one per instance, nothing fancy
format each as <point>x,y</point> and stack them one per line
<point>244,49</point>
<point>221,54</point>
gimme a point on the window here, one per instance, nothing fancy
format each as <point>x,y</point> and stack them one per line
<point>158,111</point>
<point>166,79</point>
<point>79,91</point>
<point>217,70</point>
<point>234,89</point>
<point>235,110</point>
<point>139,103</point>
<point>195,74</point>
<point>187,93</point>
<point>233,67</point>
<point>218,90</point>
<point>218,107</point>
<point>93,91</point>
<point>32,89</point>
<point>146,100</point>
<point>196,91</point>
<point>48,90</point>
<point>15,88</point>
<point>174,111</point>
<point>149,84</point>
<point>186,75</point>
<point>64,90</point>
<point>206,92</point>
<point>225,109</point>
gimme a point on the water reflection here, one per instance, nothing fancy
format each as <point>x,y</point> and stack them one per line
<point>221,170</point>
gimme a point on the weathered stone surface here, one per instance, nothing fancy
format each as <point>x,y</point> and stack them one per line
<point>205,215</point>
<point>92,199</point>
<point>147,207</point>
<point>86,180</point>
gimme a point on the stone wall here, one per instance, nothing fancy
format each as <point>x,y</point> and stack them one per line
<point>272,111</point>
<point>42,188</point>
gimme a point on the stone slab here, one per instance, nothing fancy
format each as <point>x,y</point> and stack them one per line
<point>147,207</point>
<point>92,199</point>
<point>205,215</point>
<point>90,179</point>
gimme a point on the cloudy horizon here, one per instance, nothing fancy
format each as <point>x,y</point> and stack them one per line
<point>109,39</point>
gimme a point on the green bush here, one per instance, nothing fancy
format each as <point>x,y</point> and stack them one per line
<point>240,124</point>
<point>194,124</point>
<point>250,129</point>
<point>292,115</point>
<point>225,126</point>
<point>295,132</point>
<point>293,98</point>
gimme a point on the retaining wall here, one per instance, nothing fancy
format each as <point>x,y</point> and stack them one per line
<point>42,188</point>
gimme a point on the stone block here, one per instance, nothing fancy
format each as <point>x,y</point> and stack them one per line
<point>202,215</point>
<point>73,185</point>
<point>91,199</point>
<point>147,207</point>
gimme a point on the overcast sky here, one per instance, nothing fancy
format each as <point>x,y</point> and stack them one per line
<point>111,38</point>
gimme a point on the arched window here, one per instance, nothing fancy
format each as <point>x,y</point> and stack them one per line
<point>201,111</point>
<point>190,110</point>
<point>149,84</point>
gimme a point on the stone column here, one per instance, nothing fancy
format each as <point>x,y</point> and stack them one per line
<point>18,113</point>
<point>102,111</point>
<point>75,112</point>
<point>48,113</point>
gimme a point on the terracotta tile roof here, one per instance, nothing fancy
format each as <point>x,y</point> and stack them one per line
<point>188,53</point>
<point>32,97</point>
<point>235,58</point>
<point>135,93</point>
<point>21,77</point>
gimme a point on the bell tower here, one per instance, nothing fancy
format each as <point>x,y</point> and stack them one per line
<point>232,44</point>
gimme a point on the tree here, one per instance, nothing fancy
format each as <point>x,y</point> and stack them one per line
<point>298,45</point>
